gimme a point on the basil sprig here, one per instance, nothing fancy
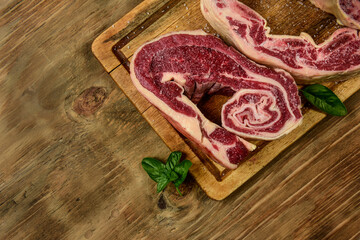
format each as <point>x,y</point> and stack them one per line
<point>173,171</point>
<point>324,99</point>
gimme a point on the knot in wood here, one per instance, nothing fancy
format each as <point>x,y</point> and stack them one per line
<point>89,101</point>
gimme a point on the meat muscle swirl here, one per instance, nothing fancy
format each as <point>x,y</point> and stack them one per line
<point>176,70</point>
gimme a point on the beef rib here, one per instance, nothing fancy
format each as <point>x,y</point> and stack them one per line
<point>307,62</point>
<point>174,72</point>
<point>346,11</point>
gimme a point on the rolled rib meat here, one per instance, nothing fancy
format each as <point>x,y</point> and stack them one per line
<point>176,70</point>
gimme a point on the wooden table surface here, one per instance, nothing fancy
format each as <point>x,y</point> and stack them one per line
<point>68,132</point>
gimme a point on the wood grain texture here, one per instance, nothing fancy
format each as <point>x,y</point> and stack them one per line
<point>174,15</point>
<point>71,145</point>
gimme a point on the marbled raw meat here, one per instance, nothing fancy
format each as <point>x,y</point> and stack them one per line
<point>346,11</point>
<point>299,55</point>
<point>176,70</point>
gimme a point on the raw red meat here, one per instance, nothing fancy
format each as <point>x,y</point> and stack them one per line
<point>306,61</point>
<point>175,71</point>
<point>346,11</point>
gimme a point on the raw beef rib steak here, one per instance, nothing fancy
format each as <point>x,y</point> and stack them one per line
<point>175,71</point>
<point>346,11</point>
<point>307,62</point>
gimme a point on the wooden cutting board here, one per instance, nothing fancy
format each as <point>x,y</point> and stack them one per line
<point>115,47</point>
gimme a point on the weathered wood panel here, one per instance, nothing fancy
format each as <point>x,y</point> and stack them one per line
<point>70,153</point>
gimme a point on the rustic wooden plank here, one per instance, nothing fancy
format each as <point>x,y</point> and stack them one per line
<point>67,174</point>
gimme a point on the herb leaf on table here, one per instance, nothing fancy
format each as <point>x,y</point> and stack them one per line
<point>173,171</point>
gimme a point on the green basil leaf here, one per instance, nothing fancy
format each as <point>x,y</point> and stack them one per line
<point>324,99</point>
<point>173,160</point>
<point>182,170</point>
<point>172,171</point>
<point>154,168</point>
<point>173,176</point>
<point>164,181</point>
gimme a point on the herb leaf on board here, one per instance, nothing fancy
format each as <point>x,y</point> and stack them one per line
<point>324,99</point>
